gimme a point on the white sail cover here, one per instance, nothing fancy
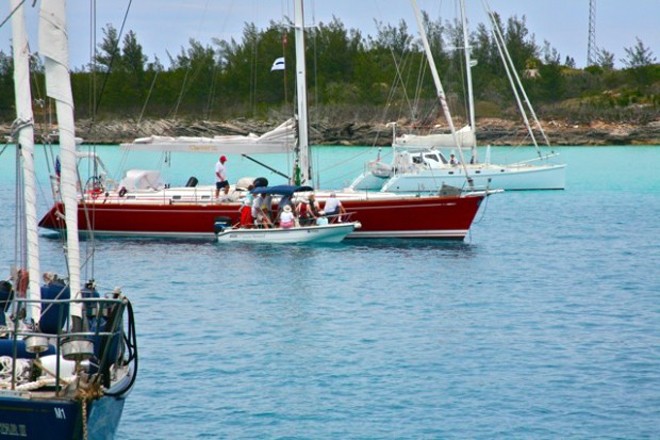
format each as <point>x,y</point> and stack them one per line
<point>279,140</point>
<point>53,46</point>
<point>465,137</point>
<point>26,141</point>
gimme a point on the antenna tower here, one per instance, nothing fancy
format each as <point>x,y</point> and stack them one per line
<point>591,45</point>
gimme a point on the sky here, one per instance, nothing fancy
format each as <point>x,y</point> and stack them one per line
<point>165,26</point>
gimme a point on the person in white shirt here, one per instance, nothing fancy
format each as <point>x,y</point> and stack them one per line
<point>261,219</point>
<point>333,208</point>
<point>221,177</point>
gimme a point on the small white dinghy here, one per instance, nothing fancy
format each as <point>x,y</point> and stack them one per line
<point>320,232</point>
<point>329,233</point>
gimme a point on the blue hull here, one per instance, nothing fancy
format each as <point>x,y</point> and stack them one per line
<point>54,419</point>
<point>58,419</point>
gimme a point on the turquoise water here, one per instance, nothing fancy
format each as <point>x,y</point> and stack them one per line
<point>544,323</point>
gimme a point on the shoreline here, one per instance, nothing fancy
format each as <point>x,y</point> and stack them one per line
<point>495,132</point>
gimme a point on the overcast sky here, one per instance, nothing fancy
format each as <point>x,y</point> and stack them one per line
<point>167,25</point>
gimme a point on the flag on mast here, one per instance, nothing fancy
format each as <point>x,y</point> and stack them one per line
<point>278,64</point>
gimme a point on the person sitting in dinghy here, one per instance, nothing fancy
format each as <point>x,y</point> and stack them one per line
<point>287,219</point>
<point>261,219</point>
<point>308,211</point>
<point>247,221</point>
<point>333,208</point>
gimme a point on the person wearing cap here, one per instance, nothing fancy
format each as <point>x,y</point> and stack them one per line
<point>333,208</point>
<point>287,219</point>
<point>221,177</point>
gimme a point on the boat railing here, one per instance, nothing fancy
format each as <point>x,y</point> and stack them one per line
<point>536,159</point>
<point>339,218</point>
<point>106,334</point>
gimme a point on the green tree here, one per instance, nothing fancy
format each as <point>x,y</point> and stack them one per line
<point>133,59</point>
<point>641,65</point>
<point>605,59</point>
<point>638,56</point>
<point>108,49</point>
<point>7,99</point>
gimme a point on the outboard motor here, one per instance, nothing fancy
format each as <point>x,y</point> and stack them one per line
<point>221,223</point>
<point>192,182</point>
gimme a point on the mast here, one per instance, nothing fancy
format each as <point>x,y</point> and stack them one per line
<point>25,140</point>
<point>301,88</point>
<point>468,79</point>
<point>53,45</point>
<point>438,87</point>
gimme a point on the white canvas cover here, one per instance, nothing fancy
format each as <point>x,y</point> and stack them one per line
<point>465,136</point>
<point>279,140</point>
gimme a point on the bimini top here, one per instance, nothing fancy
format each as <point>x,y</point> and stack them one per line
<point>281,190</point>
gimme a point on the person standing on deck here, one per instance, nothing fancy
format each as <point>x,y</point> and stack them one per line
<point>221,177</point>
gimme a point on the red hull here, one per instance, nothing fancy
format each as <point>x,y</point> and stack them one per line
<point>418,217</point>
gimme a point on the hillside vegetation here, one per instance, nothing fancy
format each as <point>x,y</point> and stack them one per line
<point>352,79</point>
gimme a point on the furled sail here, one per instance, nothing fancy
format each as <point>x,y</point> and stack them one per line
<point>54,46</point>
<point>465,137</point>
<point>279,140</point>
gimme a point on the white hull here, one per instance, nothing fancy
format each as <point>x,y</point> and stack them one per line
<point>506,177</point>
<point>332,233</point>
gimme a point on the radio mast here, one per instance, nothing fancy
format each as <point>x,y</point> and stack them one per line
<point>592,51</point>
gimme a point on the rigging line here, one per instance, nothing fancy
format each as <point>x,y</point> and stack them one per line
<point>151,89</point>
<point>266,166</point>
<point>212,88</point>
<point>11,14</point>
<point>92,54</point>
<point>112,60</point>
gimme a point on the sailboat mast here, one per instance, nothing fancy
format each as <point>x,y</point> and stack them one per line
<point>53,45</point>
<point>301,89</point>
<point>468,77</point>
<point>25,128</point>
<point>438,85</point>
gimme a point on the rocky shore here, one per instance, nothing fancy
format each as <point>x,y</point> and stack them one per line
<point>490,131</point>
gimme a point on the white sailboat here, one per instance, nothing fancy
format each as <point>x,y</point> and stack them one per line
<point>421,163</point>
<point>68,356</point>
